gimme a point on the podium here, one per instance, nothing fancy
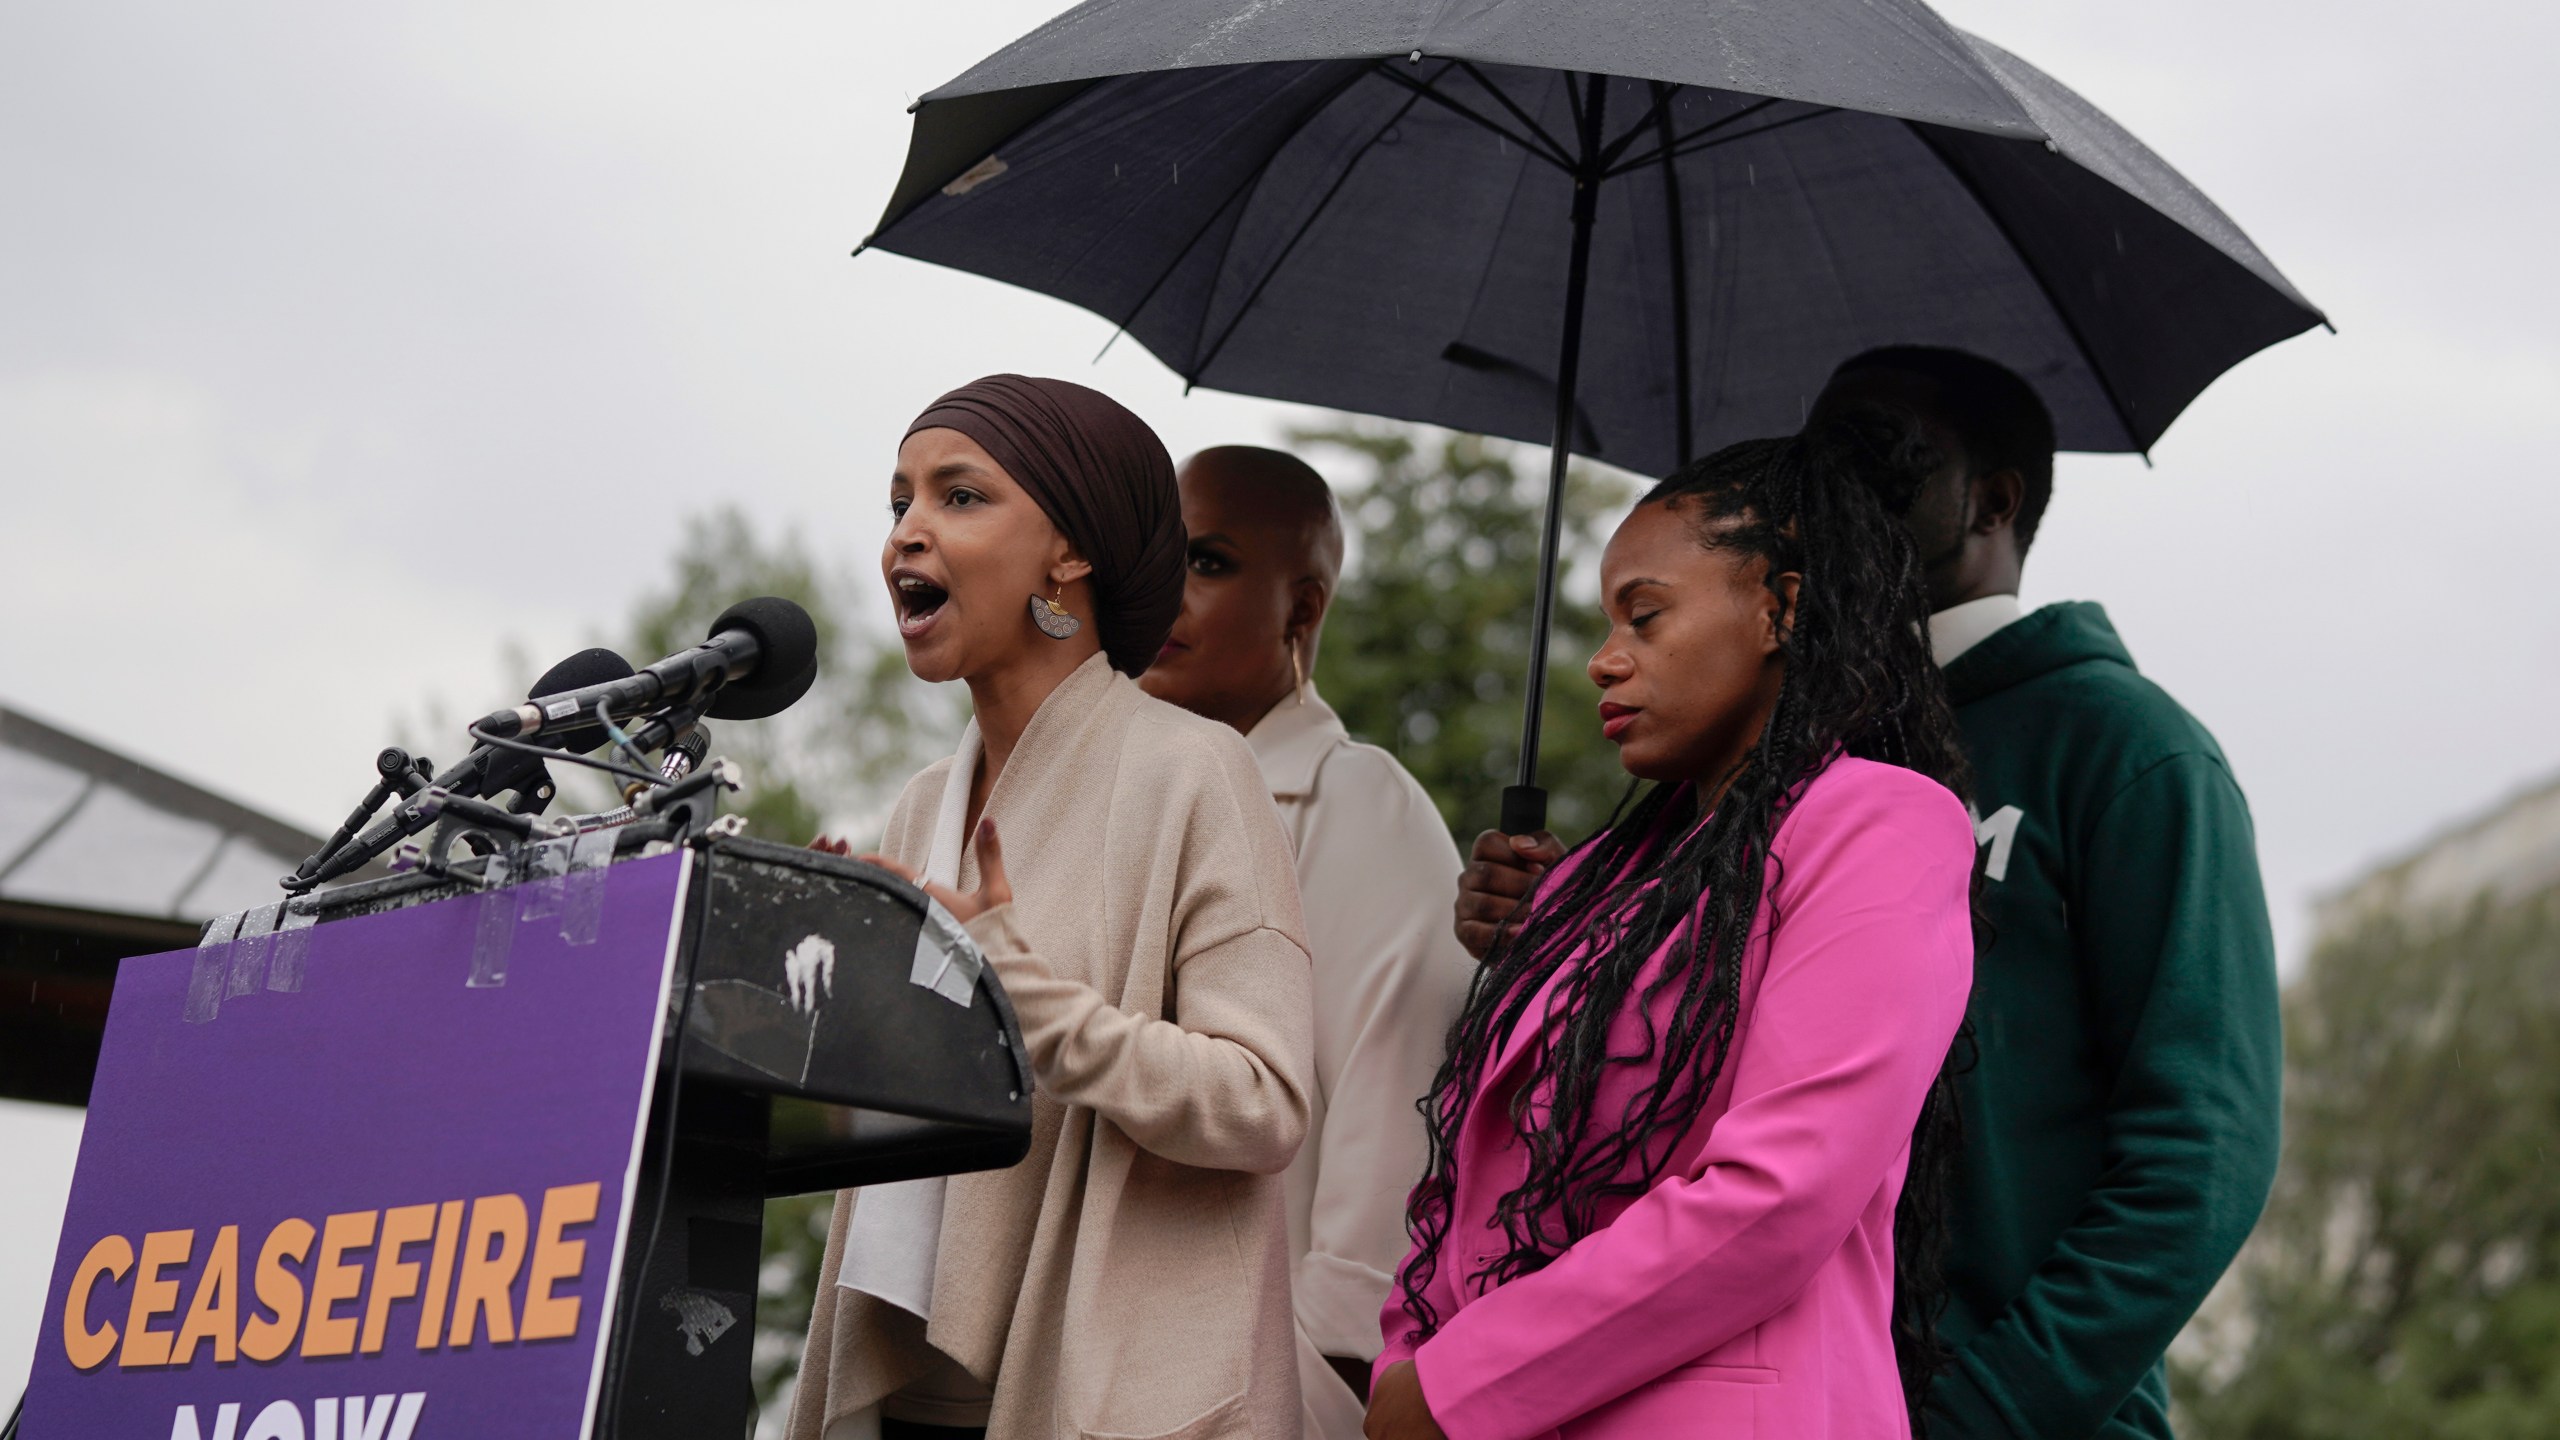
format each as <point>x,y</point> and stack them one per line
<point>914,1066</point>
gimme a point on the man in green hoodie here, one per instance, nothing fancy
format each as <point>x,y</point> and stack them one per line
<point>2120,1119</point>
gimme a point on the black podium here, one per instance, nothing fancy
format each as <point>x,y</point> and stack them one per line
<point>914,1067</point>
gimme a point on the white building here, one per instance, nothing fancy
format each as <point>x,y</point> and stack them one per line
<point>2507,852</point>
<point>101,856</point>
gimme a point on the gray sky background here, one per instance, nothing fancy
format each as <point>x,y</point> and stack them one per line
<point>343,343</point>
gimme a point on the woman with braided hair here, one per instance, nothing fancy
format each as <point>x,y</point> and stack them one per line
<point>1685,1150</point>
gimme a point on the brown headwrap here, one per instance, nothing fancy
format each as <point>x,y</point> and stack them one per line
<point>1105,481</point>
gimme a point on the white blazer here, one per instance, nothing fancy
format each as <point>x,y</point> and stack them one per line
<point>1378,875</point>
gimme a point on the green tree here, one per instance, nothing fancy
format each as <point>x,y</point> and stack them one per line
<point>1426,652</point>
<point>2405,1282</point>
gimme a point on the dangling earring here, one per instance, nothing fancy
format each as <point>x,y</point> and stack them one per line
<point>1297,673</point>
<point>1052,617</point>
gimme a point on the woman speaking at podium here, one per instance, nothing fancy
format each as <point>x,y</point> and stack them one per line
<point>1120,862</point>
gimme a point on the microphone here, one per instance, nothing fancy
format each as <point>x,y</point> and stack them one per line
<point>586,669</point>
<point>762,655</point>
<point>527,775</point>
<point>690,744</point>
<point>686,753</point>
<point>487,770</point>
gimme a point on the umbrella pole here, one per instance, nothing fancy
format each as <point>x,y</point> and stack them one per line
<point>1524,805</point>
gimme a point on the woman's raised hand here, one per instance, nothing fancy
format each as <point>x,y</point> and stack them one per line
<point>993,888</point>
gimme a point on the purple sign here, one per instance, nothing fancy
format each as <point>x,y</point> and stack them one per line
<point>366,1180</point>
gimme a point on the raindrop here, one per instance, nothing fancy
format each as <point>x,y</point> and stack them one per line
<point>1177,172</point>
<point>2052,149</point>
<point>1414,58</point>
<point>1752,173</point>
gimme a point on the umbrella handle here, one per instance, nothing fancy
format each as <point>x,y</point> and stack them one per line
<point>1524,809</point>
<point>1524,805</point>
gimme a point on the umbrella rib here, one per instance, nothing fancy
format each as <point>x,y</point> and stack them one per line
<point>1711,127</point>
<point>1679,238</point>
<point>1314,213</point>
<point>1429,91</point>
<point>1555,148</point>
<point>2070,327</point>
<point>1610,152</point>
<point>1703,145</point>
<point>1243,189</point>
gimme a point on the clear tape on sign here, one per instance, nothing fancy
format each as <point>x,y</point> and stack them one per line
<point>582,903</point>
<point>292,955</point>
<point>249,950</point>
<point>213,965</point>
<point>545,891</point>
<point>495,933</point>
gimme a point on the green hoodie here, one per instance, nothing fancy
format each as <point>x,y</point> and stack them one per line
<point>2120,1122</point>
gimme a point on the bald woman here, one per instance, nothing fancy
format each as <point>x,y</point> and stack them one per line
<point>1375,868</point>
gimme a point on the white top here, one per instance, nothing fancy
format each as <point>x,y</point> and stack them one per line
<point>1378,874</point>
<point>1959,628</point>
<point>895,1236</point>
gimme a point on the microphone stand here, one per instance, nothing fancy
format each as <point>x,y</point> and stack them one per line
<point>399,773</point>
<point>458,796</point>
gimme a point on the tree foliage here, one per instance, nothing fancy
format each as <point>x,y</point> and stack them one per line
<point>2405,1282</point>
<point>1426,650</point>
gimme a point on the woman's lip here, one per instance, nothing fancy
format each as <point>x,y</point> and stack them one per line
<point>912,627</point>
<point>1614,719</point>
<point>1171,647</point>
<point>903,572</point>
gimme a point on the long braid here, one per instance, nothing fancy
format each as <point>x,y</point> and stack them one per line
<point>1858,680</point>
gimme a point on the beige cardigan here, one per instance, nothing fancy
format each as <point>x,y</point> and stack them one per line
<point>1131,1276</point>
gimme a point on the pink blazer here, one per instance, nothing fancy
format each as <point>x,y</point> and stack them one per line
<point>1749,1292</point>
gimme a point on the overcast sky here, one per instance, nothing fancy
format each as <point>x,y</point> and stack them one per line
<point>340,344</point>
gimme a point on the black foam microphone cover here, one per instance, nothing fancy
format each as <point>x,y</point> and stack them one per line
<point>597,666</point>
<point>786,658</point>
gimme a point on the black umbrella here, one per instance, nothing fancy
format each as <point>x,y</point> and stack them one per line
<point>1634,229</point>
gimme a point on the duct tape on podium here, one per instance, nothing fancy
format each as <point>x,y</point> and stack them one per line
<point>947,961</point>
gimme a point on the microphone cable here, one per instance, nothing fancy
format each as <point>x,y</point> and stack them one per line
<point>621,741</point>
<point>502,743</point>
